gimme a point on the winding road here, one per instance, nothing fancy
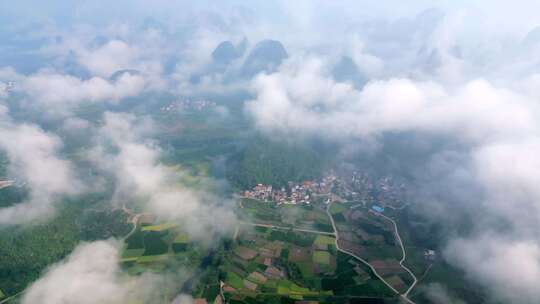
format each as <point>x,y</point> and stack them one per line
<point>404,296</point>
<point>404,254</point>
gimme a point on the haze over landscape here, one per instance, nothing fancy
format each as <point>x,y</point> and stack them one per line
<point>269,152</point>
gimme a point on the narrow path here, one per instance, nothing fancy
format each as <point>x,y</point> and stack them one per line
<point>236,230</point>
<point>404,254</point>
<point>425,272</point>
<point>134,220</point>
<point>221,294</point>
<point>11,297</point>
<point>403,296</point>
<point>336,235</point>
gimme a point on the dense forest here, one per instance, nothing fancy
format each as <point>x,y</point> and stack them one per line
<point>26,251</point>
<point>268,162</point>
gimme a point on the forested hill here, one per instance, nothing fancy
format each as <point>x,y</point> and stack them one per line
<point>276,163</point>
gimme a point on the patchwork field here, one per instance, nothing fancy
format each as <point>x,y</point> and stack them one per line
<point>372,237</point>
<point>274,264</point>
<point>151,247</point>
<point>298,216</point>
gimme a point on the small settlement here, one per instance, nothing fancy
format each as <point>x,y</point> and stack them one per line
<point>295,193</point>
<point>356,187</point>
<point>187,104</point>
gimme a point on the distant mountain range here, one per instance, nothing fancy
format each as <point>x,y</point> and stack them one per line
<point>265,56</point>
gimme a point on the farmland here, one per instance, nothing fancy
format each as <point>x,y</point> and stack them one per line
<point>27,251</point>
<point>151,247</point>
<point>372,238</point>
<point>272,265</point>
<point>281,254</point>
<point>298,216</point>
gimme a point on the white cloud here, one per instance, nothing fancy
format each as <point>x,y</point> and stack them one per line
<point>459,74</point>
<point>510,174</point>
<point>437,293</point>
<point>183,299</point>
<point>115,55</point>
<point>497,125</point>
<point>91,274</point>
<point>368,63</point>
<point>7,74</point>
<point>302,99</point>
<point>74,124</point>
<point>140,176</point>
<point>3,90</point>
<point>59,91</point>
<point>510,268</point>
<point>34,158</point>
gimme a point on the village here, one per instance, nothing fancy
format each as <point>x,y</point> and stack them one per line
<point>295,193</point>
<point>187,104</point>
<point>353,186</point>
<point>354,211</point>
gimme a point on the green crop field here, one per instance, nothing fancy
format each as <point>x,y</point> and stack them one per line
<point>181,238</point>
<point>321,257</point>
<point>309,274</point>
<point>153,258</point>
<point>160,227</point>
<point>234,280</point>
<point>135,241</point>
<point>324,240</point>
<point>337,208</point>
<point>306,269</point>
<point>154,243</point>
<point>130,253</point>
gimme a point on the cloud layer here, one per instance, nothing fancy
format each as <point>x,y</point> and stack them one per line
<point>134,162</point>
<point>34,159</point>
<point>496,126</point>
<point>90,275</point>
<point>466,72</point>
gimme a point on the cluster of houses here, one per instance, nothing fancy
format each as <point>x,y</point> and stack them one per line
<point>357,186</point>
<point>187,104</point>
<point>372,191</point>
<point>294,193</point>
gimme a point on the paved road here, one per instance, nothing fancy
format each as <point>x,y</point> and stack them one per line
<point>403,296</point>
<point>336,235</point>
<point>404,254</point>
<point>352,254</point>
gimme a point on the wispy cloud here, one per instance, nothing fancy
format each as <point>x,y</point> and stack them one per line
<point>91,274</point>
